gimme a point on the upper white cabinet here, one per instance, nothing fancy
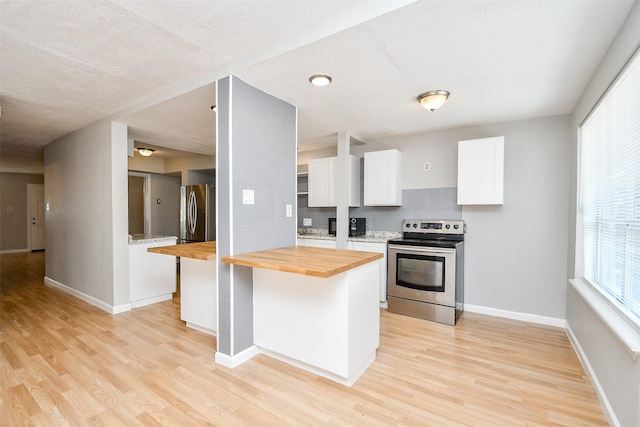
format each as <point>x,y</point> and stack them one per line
<point>323,182</point>
<point>481,171</point>
<point>383,178</point>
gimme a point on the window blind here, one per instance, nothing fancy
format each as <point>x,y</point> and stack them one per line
<point>610,192</point>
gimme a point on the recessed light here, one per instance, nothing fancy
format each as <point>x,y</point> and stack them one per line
<point>320,79</point>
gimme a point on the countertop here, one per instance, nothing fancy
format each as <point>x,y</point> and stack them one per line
<point>310,261</point>
<point>371,236</point>
<point>202,250</point>
<point>149,238</point>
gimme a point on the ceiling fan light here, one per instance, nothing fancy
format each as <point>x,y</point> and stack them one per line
<point>320,80</point>
<point>146,152</point>
<point>433,99</point>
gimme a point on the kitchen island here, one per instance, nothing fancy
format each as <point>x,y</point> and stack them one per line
<point>316,308</point>
<point>198,287</point>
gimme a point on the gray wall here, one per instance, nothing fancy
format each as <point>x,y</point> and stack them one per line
<point>86,225</point>
<point>616,373</point>
<point>256,149</point>
<point>515,254</point>
<point>14,209</point>
<point>165,216</point>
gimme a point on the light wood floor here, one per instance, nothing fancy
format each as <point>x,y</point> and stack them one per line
<point>65,362</point>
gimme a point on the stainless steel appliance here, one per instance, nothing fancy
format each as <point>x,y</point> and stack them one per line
<point>426,270</point>
<point>357,226</point>
<point>197,213</point>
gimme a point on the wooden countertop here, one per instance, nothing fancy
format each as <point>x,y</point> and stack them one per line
<point>310,261</point>
<point>201,250</point>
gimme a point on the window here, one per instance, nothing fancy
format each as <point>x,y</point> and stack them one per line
<point>610,193</point>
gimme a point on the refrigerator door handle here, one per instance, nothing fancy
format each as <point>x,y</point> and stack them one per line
<point>192,212</point>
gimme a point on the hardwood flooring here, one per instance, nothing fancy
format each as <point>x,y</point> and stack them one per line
<point>65,362</point>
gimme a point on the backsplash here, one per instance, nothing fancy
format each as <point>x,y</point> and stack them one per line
<point>424,203</point>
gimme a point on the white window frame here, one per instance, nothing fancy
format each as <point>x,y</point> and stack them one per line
<point>624,324</point>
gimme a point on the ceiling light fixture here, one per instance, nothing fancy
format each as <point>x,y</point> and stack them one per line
<point>433,99</point>
<point>320,80</point>
<point>146,152</point>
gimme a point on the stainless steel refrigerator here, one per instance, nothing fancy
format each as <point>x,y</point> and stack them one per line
<point>197,213</point>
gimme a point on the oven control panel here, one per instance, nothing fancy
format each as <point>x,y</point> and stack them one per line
<point>433,226</point>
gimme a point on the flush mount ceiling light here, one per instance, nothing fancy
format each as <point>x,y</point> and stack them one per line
<point>320,80</point>
<point>433,99</point>
<point>146,152</point>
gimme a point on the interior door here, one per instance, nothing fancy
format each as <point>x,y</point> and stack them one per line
<point>36,216</point>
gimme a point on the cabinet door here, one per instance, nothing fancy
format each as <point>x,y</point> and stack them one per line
<point>382,263</point>
<point>323,182</point>
<point>320,184</point>
<point>481,171</point>
<point>382,178</point>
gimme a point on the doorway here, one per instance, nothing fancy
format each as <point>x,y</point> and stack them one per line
<point>35,195</point>
<point>139,203</point>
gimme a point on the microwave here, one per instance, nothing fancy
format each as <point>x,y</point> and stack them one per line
<point>357,226</point>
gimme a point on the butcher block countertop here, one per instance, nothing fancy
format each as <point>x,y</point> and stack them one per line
<point>310,261</point>
<point>201,250</point>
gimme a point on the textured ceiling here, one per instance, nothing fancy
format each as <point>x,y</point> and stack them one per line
<point>151,64</point>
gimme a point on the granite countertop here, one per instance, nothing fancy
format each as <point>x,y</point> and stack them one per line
<point>317,262</point>
<point>149,238</point>
<point>371,236</point>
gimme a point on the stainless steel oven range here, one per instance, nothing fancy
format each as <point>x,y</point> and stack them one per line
<point>426,270</point>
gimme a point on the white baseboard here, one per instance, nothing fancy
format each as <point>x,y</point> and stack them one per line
<point>202,329</point>
<point>87,298</point>
<point>238,359</point>
<point>602,396</point>
<point>525,317</point>
<point>14,251</point>
<point>152,300</point>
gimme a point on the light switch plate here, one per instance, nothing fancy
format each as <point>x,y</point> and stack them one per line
<point>247,197</point>
<point>306,222</point>
<point>289,210</point>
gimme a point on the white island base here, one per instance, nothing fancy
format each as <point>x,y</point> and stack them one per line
<point>198,295</point>
<point>328,326</point>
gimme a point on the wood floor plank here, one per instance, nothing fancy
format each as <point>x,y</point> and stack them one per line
<point>64,362</point>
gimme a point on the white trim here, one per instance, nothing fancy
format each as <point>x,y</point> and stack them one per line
<point>612,318</point>
<point>202,329</point>
<point>152,300</point>
<point>321,372</point>
<point>87,298</point>
<point>525,317</point>
<point>602,396</point>
<point>14,251</point>
<point>238,359</point>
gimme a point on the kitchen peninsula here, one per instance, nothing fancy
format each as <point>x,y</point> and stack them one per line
<point>316,308</point>
<point>198,288</point>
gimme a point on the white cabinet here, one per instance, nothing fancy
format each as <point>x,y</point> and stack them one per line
<point>383,178</point>
<point>152,277</point>
<point>481,171</point>
<point>323,182</point>
<point>382,263</point>
<point>198,295</point>
<point>317,243</point>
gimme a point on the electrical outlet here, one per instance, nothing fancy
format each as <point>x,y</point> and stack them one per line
<point>306,222</point>
<point>427,166</point>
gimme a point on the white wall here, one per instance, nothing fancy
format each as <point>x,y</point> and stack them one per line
<point>86,223</point>
<point>613,370</point>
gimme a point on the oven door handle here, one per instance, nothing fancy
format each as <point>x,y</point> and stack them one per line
<point>429,249</point>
